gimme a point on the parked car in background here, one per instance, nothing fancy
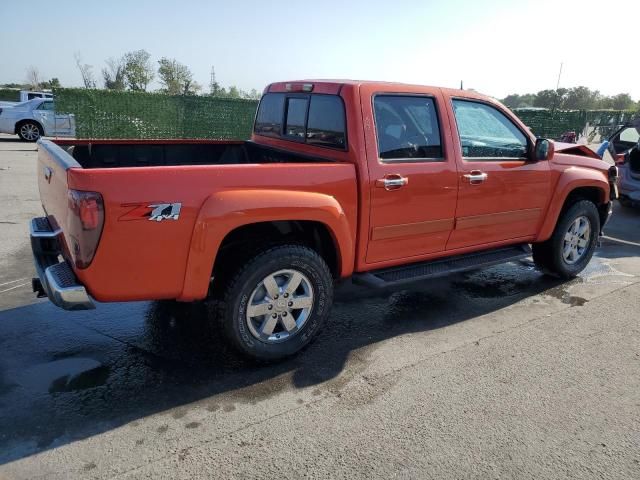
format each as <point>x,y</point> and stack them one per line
<point>626,145</point>
<point>25,96</point>
<point>34,119</point>
<point>381,182</point>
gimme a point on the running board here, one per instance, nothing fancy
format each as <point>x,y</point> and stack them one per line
<point>437,268</point>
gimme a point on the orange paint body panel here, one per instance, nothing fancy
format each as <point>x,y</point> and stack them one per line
<point>435,210</point>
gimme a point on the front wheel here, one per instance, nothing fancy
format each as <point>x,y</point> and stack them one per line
<point>573,242</point>
<point>277,303</point>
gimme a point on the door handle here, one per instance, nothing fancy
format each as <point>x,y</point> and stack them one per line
<point>475,177</point>
<point>392,182</point>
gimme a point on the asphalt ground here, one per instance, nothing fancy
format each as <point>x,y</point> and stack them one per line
<point>499,373</point>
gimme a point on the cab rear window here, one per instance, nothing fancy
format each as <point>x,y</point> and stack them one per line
<point>314,119</point>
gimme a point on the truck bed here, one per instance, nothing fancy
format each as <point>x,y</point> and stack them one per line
<point>154,153</point>
<point>215,184</point>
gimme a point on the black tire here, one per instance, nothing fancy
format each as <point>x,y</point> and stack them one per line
<point>232,309</point>
<point>26,131</point>
<point>548,256</point>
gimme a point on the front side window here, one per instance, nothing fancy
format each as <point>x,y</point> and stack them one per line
<point>486,133</point>
<point>407,128</point>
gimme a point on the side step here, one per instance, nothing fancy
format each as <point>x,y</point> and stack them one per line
<point>437,268</point>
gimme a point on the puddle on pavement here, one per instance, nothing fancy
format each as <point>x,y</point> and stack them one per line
<point>65,375</point>
<point>82,381</point>
<point>499,281</point>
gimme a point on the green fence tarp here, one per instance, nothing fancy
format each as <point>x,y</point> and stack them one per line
<point>117,114</point>
<point>553,123</point>
<point>113,114</point>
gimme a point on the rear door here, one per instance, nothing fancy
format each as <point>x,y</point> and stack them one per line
<point>43,113</point>
<point>502,193</point>
<point>412,171</point>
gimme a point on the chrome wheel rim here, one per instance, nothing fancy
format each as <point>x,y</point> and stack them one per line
<point>576,240</point>
<point>279,306</point>
<point>30,131</point>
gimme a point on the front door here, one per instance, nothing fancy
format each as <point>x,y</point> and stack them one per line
<point>413,179</point>
<point>502,193</point>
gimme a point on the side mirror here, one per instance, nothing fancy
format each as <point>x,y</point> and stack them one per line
<point>543,150</point>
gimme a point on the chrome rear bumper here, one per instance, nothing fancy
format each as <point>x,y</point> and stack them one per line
<point>56,279</point>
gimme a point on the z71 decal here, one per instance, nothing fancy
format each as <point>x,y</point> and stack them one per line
<point>156,212</point>
<point>165,211</point>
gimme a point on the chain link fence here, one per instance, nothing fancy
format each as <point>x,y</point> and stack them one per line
<point>114,114</point>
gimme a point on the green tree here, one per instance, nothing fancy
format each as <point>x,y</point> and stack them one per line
<point>582,98</point>
<point>550,98</point>
<point>138,70</point>
<point>50,84</point>
<point>519,101</point>
<point>113,74</point>
<point>622,101</point>
<point>234,92</point>
<point>176,77</point>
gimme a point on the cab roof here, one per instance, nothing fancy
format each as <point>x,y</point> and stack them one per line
<point>333,86</point>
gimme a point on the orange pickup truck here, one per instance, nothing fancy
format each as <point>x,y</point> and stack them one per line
<point>381,182</point>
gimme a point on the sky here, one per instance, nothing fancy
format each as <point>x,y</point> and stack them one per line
<point>497,47</point>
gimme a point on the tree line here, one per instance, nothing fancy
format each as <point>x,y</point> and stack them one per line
<point>134,71</point>
<point>576,98</point>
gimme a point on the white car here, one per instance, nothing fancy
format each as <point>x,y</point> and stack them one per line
<point>26,95</point>
<point>34,119</point>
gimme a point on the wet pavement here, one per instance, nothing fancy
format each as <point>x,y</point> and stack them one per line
<point>152,386</point>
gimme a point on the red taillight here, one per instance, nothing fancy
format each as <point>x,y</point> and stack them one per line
<point>90,213</point>
<point>84,225</point>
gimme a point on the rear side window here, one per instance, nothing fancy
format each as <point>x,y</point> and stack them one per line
<point>270,113</point>
<point>314,119</point>
<point>45,106</point>
<point>407,128</point>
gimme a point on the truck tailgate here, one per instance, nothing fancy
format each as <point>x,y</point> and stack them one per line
<point>53,163</point>
<point>50,235</point>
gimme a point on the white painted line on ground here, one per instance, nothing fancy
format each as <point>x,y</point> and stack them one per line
<point>12,281</point>
<point>14,287</point>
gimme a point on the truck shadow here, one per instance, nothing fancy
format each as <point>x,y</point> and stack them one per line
<point>66,376</point>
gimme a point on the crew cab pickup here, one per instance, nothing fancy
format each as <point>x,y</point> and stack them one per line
<point>383,183</point>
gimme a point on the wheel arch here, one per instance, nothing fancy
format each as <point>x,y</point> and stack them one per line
<point>21,122</point>
<point>274,216</point>
<point>575,184</point>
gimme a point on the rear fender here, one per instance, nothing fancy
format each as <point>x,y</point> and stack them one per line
<point>225,211</point>
<point>571,179</point>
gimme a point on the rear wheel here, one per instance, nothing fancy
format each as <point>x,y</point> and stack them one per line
<point>277,303</point>
<point>29,131</point>
<point>573,242</point>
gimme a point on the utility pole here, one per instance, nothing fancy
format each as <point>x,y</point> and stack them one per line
<point>559,75</point>
<point>461,85</point>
